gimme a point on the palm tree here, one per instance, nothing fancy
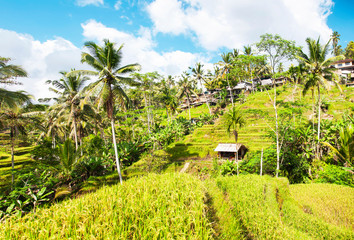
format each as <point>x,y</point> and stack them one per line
<point>69,89</point>
<point>106,61</point>
<point>16,120</point>
<point>145,84</point>
<point>8,72</point>
<point>345,152</point>
<point>335,39</point>
<point>198,73</point>
<point>234,120</point>
<point>226,64</point>
<point>247,50</point>
<point>186,89</point>
<point>319,71</point>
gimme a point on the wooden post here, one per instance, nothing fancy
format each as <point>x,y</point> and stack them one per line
<point>237,161</point>
<point>261,162</point>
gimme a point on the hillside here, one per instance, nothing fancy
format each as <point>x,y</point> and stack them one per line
<point>258,111</point>
<point>179,206</point>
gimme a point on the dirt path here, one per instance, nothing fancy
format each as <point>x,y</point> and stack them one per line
<point>185,167</point>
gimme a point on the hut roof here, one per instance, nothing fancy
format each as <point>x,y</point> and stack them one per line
<point>228,147</point>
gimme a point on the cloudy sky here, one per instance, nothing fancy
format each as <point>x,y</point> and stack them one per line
<point>167,36</point>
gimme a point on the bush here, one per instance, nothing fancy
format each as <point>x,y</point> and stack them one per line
<point>334,174</point>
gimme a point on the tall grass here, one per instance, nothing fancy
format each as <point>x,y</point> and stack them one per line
<point>151,207</point>
<point>330,202</point>
<point>267,210</point>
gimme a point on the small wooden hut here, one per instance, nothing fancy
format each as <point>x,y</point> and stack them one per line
<point>230,150</point>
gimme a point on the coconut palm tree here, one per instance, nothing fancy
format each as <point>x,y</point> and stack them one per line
<point>69,89</point>
<point>234,120</point>
<point>186,89</point>
<point>226,65</point>
<point>320,71</point>
<point>198,73</point>
<point>335,39</point>
<point>108,89</point>
<point>16,120</point>
<point>9,72</point>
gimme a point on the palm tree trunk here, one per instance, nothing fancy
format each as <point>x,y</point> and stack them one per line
<point>231,94</point>
<point>12,157</point>
<point>147,112</point>
<point>116,151</point>
<point>319,122</point>
<point>189,108</point>
<point>75,135</point>
<point>207,101</point>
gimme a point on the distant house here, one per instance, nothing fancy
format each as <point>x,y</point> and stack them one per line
<point>345,70</point>
<point>229,150</point>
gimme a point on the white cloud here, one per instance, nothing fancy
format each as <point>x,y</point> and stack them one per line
<point>140,49</point>
<point>83,3</point>
<point>42,60</point>
<point>234,23</point>
<point>117,5</point>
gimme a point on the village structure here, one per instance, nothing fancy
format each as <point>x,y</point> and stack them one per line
<point>232,151</point>
<point>345,69</point>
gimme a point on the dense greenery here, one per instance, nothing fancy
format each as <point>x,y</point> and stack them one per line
<point>125,124</point>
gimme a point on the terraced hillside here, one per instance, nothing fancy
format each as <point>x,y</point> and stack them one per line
<point>258,112</point>
<point>180,206</point>
<point>22,157</point>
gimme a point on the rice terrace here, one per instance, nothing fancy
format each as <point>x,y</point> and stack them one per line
<point>176,119</point>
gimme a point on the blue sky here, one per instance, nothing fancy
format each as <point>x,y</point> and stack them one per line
<point>168,36</point>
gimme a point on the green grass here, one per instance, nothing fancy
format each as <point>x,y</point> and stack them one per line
<point>330,202</point>
<point>180,206</point>
<point>257,110</point>
<point>154,207</point>
<point>268,211</point>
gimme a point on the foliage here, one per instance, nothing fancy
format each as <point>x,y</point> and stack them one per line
<point>152,207</point>
<point>228,168</point>
<point>328,173</point>
<point>268,211</point>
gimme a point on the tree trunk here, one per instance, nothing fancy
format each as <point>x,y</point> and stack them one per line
<point>147,112</point>
<point>231,94</point>
<point>116,151</point>
<point>276,128</point>
<point>12,158</point>
<point>75,135</point>
<point>189,108</point>
<point>319,122</point>
<point>237,161</point>
<point>206,99</point>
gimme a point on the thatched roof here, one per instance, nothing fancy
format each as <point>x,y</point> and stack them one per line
<point>228,147</point>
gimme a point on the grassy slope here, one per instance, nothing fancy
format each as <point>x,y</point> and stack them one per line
<point>22,158</point>
<point>332,203</point>
<point>257,110</point>
<point>179,206</point>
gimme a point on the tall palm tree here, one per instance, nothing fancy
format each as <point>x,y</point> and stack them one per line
<point>145,83</point>
<point>69,89</point>
<point>198,73</point>
<point>247,50</point>
<point>9,72</point>
<point>186,89</point>
<point>106,60</point>
<point>226,65</point>
<point>320,71</point>
<point>16,120</point>
<point>234,120</point>
<point>335,39</point>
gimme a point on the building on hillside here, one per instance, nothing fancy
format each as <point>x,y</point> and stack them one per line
<point>231,150</point>
<point>345,70</point>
